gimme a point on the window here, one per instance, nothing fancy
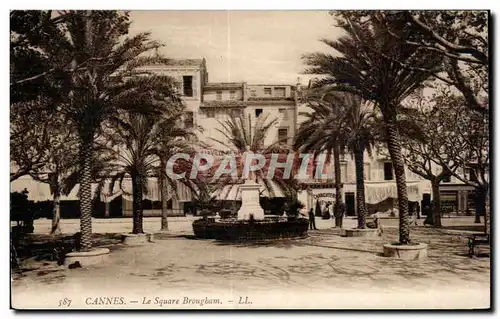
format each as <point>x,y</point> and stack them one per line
<point>188,121</point>
<point>267,91</point>
<point>258,112</point>
<point>279,92</point>
<point>232,95</point>
<point>388,174</point>
<point>187,82</point>
<point>253,93</point>
<point>210,113</point>
<point>282,135</point>
<point>282,111</point>
<point>218,95</point>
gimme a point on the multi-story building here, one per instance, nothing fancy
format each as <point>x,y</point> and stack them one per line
<point>222,101</point>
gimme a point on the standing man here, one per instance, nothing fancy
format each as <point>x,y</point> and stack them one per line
<point>312,220</point>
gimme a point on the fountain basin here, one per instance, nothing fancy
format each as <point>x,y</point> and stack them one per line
<point>250,229</point>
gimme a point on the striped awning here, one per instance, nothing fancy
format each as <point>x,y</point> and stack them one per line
<point>38,191</point>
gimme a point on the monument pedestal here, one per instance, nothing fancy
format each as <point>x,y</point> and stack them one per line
<point>250,201</point>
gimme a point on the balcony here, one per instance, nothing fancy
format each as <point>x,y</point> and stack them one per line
<point>224,104</point>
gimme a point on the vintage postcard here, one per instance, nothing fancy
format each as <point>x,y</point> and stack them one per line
<point>249,160</point>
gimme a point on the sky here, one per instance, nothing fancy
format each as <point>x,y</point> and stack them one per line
<point>258,47</point>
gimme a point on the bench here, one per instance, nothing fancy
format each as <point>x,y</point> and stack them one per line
<point>478,240</point>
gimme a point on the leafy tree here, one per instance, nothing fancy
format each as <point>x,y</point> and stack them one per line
<point>62,153</point>
<point>366,69</point>
<point>98,75</point>
<point>466,140</point>
<point>29,138</point>
<point>423,153</point>
<point>461,37</point>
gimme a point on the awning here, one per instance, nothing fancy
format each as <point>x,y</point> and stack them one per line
<point>41,191</point>
<point>153,193</point>
<point>376,193</point>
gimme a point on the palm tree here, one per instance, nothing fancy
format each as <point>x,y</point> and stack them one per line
<point>374,65</point>
<point>173,138</point>
<point>141,144</point>
<point>242,138</point>
<point>102,79</point>
<point>359,135</point>
<point>321,133</point>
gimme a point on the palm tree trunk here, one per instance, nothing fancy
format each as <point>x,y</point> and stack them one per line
<point>56,212</point>
<point>436,214</point>
<point>394,146</point>
<point>85,193</point>
<point>360,185</point>
<point>164,194</point>
<point>338,209</point>
<point>137,186</point>
<point>86,143</point>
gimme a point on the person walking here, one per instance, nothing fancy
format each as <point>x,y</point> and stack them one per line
<point>312,220</point>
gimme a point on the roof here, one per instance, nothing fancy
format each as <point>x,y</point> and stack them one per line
<point>179,62</point>
<point>185,62</point>
<point>223,85</point>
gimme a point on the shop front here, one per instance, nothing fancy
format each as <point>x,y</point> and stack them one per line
<point>380,196</point>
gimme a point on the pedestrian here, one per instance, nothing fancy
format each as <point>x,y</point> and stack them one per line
<point>326,212</point>
<point>413,217</point>
<point>312,220</point>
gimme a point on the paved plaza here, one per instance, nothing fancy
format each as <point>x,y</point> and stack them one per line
<point>324,270</point>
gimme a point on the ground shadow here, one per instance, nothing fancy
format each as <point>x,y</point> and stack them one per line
<point>474,228</point>
<point>46,248</point>
<point>345,248</point>
<point>277,243</point>
<point>169,236</point>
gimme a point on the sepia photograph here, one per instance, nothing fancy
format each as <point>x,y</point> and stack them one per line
<point>250,159</point>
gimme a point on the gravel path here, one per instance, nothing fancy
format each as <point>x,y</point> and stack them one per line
<point>322,271</point>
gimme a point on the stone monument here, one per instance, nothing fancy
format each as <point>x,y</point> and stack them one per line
<point>250,201</point>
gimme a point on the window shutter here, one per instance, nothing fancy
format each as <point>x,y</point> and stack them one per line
<point>179,84</point>
<point>195,87</point>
